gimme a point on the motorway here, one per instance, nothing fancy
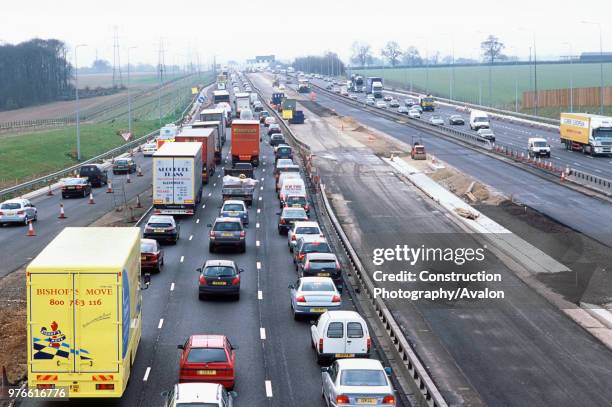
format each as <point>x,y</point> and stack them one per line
<point>590,216</point>
<point>520,351</point>
<point>275,363</point>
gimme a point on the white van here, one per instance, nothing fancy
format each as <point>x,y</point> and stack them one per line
<point>286,175</point>
<point>538,147</point>
<point>340,334</point>
<point>291,187</point>
<point>246,114</point>
<point>479,120</point>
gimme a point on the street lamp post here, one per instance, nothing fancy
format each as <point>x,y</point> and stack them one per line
<point>601,81</point>
<point>571,95</point>
<point>129,92</point>
<point>78,118</point>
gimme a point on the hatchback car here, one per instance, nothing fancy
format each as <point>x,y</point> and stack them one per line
<point>370,101</point>
<point>486,134</point>
<point>262,116</point>
<point>357,382</point>
<point>403,109</point>
<point>456,119</point>
<point>227,232</point>
<point>276,139</point>
<point>387,98</point>
<point>208,358</point>
<point>17,211</point>
<point>151,255</point>
<point>269,120</point>
<point>409,102</point>
<point>414,114</point>
<point>219,277</point>
<point>322,265</point>
<point>274,128</point>
<point>95,173</point>
<point>124,166</point>
<point>301,229</point>
<point>394,103</point>
<point>289,216</point>
<point>76,187</point>
<point>381,104</point>
<point>149,149</point>
<point>162,228</point>
<point>297,201</point>
<point>235,209</point>
<point>283,151</point>
<point>314,296</point>
<point>199,394</point>
<point>309,244</point>
<point>436,120</point>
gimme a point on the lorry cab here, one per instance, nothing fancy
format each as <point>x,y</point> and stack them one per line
<point>538,147</point>
<point>340,334</point>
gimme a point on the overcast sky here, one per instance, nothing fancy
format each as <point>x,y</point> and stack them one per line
<point>240,29</point>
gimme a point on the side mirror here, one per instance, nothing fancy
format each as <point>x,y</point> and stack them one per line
<point>388,371</point>
<point>313,323</point>
<point>180,346</point>
<point>209,225</point>
<point>278,213</point>
<point>199,269</point>
<point>324,369</point>
<point>291,286</point>
<point>240,270</point>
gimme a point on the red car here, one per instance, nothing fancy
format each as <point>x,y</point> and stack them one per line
<point>151,255</point>
<point>208,358</point>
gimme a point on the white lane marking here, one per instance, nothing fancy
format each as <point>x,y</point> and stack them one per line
<point>172,287</point>
<point>261,188</point>
<point>197,220</point>
<point>262,333</point>
<point>257,243</point>
<point>258,210</point>
<point>263,170</point>
<point>210,193</point>
<point>257,225</point>
<point>190,237</point>
<point>182,258</point>
<point>262,178</point>
<point>161,323</point>
<point>596,170</point>
<point>259,295</point>
<point>219,176</point>
<point>214,184</point>
<point>258,265</point>
<point>203,206</point>
<point>268,388</point>
<point>146,376</point>
<point>260,198</point>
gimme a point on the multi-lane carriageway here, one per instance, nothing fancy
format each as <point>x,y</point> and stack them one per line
<point>275,363</point>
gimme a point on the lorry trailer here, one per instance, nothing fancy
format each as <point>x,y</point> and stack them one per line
<point>245,141</point>
<point>588,133</point>
<point>206,136</point>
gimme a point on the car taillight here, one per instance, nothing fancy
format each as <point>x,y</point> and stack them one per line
<point>242,233</point>
<point>306,207</point>
<point>1,213</point>
<point>293,238</point>
<point>202,279</point>
<point>301,256</point>
<point>342,399</point>
<point>307,267</point>
<point>211,234</point>
<point>20,212</point>
<point>336,298</point>
<point>389,399</point>
<point>236,280</point>
<point>321,345</point>
<point>79,186</point>
<point>282,221</point>
<point>152,256</point>
<point>369,344</point>
<point>338,265</point>
<point>301,298</point>
<point>105,386</point>
<point>149,229</point>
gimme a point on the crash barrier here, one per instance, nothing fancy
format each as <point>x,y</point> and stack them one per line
<point>603,184</point>
<point>47,180</point>
<point>427,388</point>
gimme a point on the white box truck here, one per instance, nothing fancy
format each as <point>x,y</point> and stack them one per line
<point>242,101</point>
<point>214,115</point>
<point>177,178</point>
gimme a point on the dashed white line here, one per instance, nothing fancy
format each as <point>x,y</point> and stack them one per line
<point>259,295</point>
<point>263,170</point>
<point>197,220</point>
<point>258,210</point>
<point>260,198</point>
<point>203,206</point>
<point>257,243</point>
<point>172,287</point>
<point>262,178</point>
<point>214,184</point>
<point>261,188</point>
<point>210,193</point>
<point>268,388</point>
<point>182,258</point>
<point>262,333</point>
<point>146,377</point>
<point>257,225</point>
<point>161,323</point>
<point>258,265</point>
<point>190,237</point>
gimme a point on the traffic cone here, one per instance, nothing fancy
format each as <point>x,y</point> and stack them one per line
<point>138,204</point>
<point>50,191</point>
<point>109,187</point>
<point>562,176</point>
<point>129,181</point>
<point>62,215</point>
<point>91,200</point>
<point>139,172</point>
<point>30,229</point>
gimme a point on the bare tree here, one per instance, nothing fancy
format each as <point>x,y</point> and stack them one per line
<point>492,49</point>
<point>361,53</point>
<point>392,52</point>
<point>412,56</point>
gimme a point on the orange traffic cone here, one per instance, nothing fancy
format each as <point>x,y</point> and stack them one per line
<point>91,200</point>
<point>109,187</point>
<point>62,215</point>
<point>50,191</point>
<point>30,229</point>
<point>128,178</point>
<point>139,172</point>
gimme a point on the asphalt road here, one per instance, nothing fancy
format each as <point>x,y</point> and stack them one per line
<point>516,351</point>
<point>284,357</point>
<point>590,216</point>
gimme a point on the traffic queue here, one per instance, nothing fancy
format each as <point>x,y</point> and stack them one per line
<point>209,361</point>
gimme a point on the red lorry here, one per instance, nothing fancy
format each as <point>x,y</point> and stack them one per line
<point>206,136</point>
<point>245,141</point>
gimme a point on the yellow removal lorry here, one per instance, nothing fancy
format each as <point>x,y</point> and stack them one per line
<point>589,133</point>
<point>84,313</point>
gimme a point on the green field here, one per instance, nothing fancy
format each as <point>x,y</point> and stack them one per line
<point>472,82</point>
<point>136,79</point>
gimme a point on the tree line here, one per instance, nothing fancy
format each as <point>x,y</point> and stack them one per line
<point>33,72</point>
<point>328,64</point>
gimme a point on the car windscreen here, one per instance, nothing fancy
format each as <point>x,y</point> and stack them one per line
<point>219,271</point>
<point>294,213</point>
<point>481,119</point>
<point>233,207</point>
<point>88,170</point>
<point>307,230</point>
<point>283,162</point>
<point>316,247</point>
<point>227,227</point>
<point>540,144</point>
<point>284,150</point>
<point>206,355</point>
<point>121,162</point>
<point>296,200</point>
<point>74,181</point>
<point>148,247</point>
<point>10,205</point>
<point>320,264</point>
<point>363,377</point>
<point>317,286</point>
<point>159,225</point>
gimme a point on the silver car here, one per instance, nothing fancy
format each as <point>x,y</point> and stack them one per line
<point>356,382</point>
<point>414,114</point>
<point>437,120</point>
<point>301,229</point>
<point>17,211</point>
<point>314,296</point>
<point>381,104</point>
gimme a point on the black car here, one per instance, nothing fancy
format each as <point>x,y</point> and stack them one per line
<point>219,277</point>
<point>321,265</point>
<point>274,129</point>
<point>227,232</point>
<point>162,228</point>
<point>76,187</point>
<point>288,216</point>
<point>124,165</point>
<point>456,119</point>
<point>276,139</point>
<point>263,115</point>
<point>283,151</point>
<point>96,175</point>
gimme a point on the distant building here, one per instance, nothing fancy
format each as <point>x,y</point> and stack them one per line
<point>264,59</point>
<point>596,57</point>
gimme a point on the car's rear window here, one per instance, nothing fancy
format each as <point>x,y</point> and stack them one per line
<point>294,213</point>
<point>233,207</point>
<point>284,150</point>
<point>75,181</point>
<point>88,170</point>
<point>296,200</point>
<point>318,286</point>
<point>307,230</point>
<point>159,225</point>
<point>363,377</point>
<point>354,330</point>
<point>121,162</point>
<point>335,330</point>
<point>219,271</point>
<point>316,247</point>
<point>148,247</point>
<point>10,205</point>
<point>206,355</point>
<point>322,264</point>
<point>227,227</point>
